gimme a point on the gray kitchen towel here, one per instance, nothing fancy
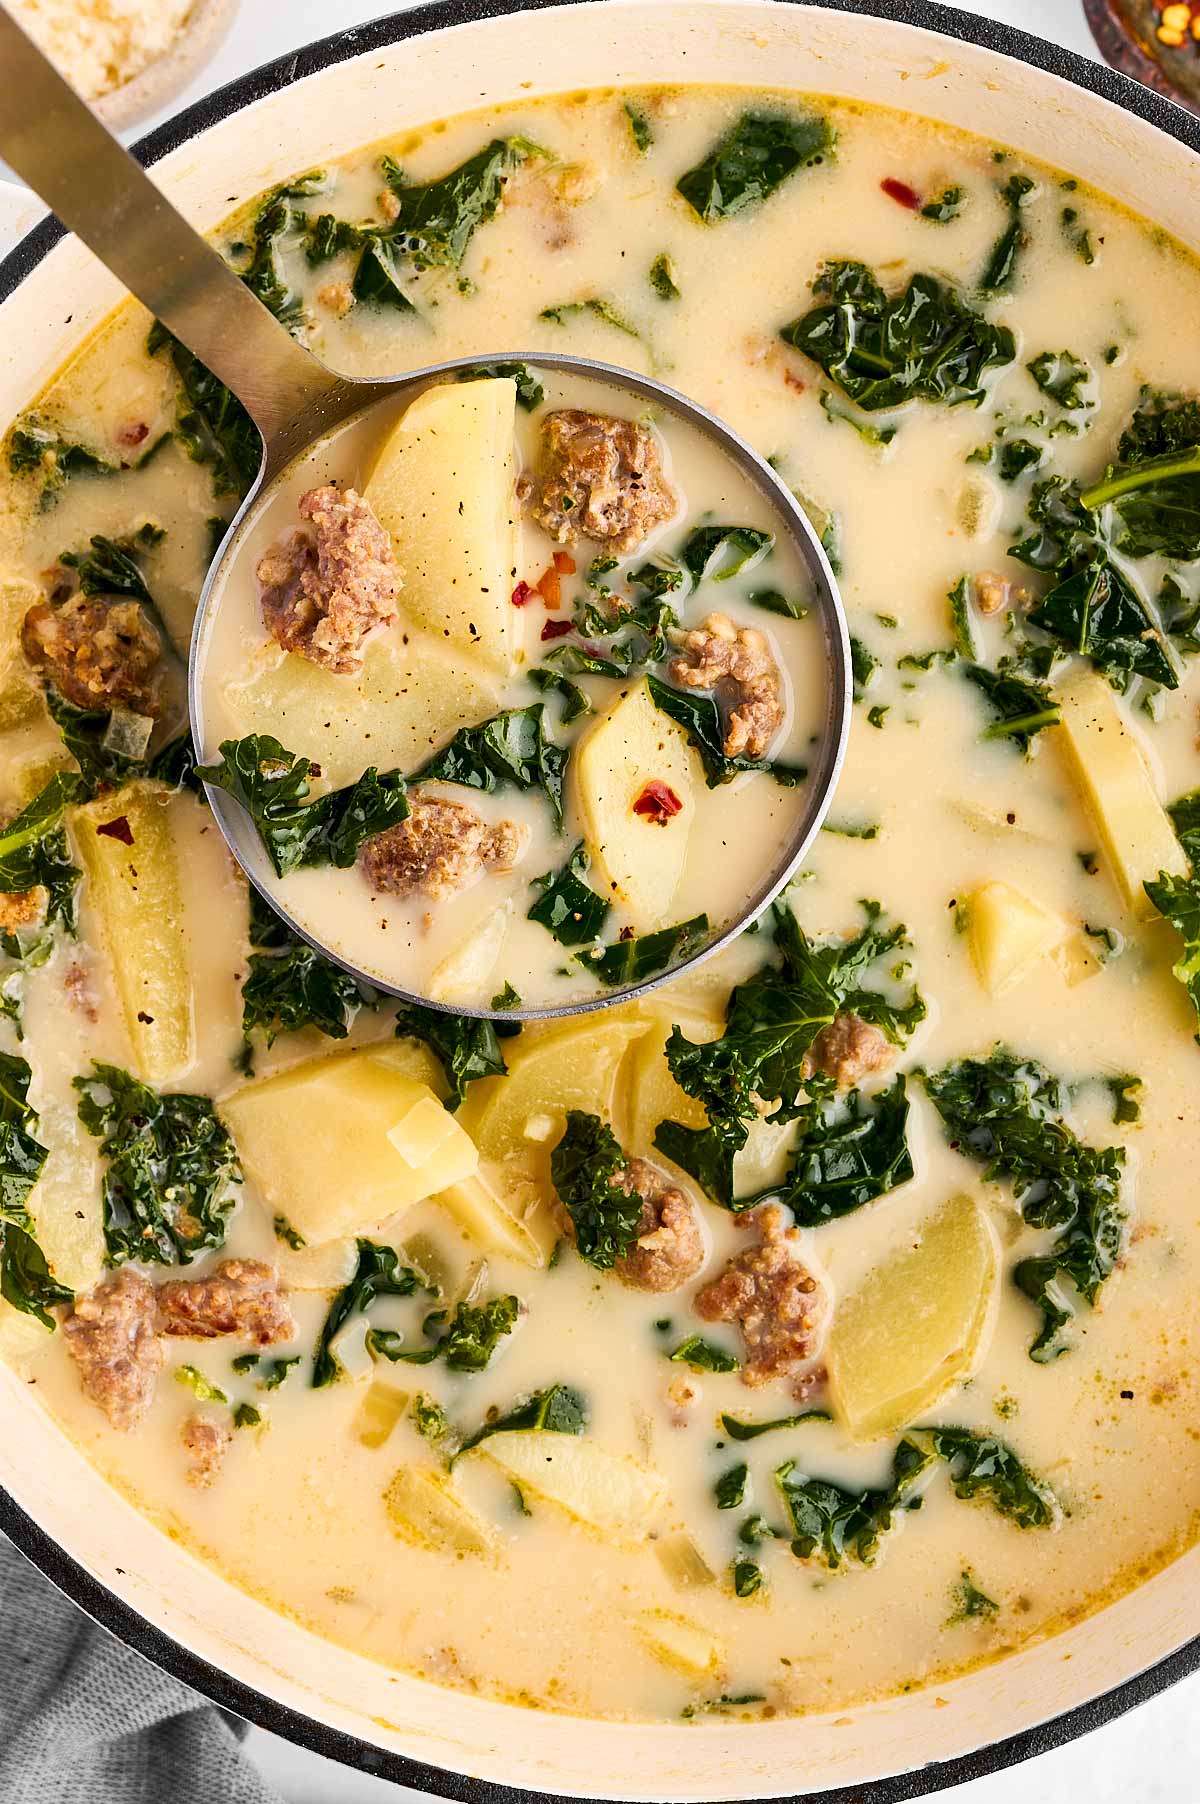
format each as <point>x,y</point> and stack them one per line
<point>85,1720</point>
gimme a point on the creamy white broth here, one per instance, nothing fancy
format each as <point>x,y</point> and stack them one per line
<point>250,685</point>
<point>297,1514</point>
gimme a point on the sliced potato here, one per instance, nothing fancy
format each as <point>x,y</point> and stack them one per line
<point>575,1068</point>
<point>915,1325</point>
<point>640,861</point>
<point>444,486</point>
<point>426,1508</point>
<point>1075,958</point>
<point>610,1492</point>
<point>371,1144</point>
<point>654,1095</point>
<point>20,692</point>
<point>463,974</point>
<point>1114,778</point>
<point>1009,934</point>
<point>135,905</point>
<point>414,1059</point>
<point>327,1266</point>
<point>680,1643</point>
<point>405,703</point>
<point>476,1207</point>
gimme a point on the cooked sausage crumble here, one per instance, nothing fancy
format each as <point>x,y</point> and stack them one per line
<point>99,651</point>
<point>239,1296</point>
<point>669,1248</point>
<point>737,664</point>
<point>781,1307</point>
<point>848,1050</point>
<point>440,848</point>
<point>323,594</point>
<point>112,1335</point>
<point>598,477</point>
<point>206,1437</point>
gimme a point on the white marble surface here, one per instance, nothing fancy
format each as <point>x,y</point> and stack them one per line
<point>1152,1755</point>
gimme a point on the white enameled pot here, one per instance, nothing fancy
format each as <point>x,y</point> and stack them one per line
<point>406,70</point>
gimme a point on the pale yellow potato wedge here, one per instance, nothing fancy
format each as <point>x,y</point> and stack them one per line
<point>20,692</point>
<point>915,1326</point>
<point>367,1149</point>
<point>611,1493</point>
<point>326,1266</point>
<point>639,862</point>
<point>406,703</point>
<point>412,1058</point>
<point>443,484</point>
<point>1115,781</point>
<point>425,1508</point>
<point>134,910</point>
<point>1009,934</point>
<point>680,1643</point>
<point>654,1095</point>
<point>476,1207</point>
<point>465,974</point>
<point>573,1069</point>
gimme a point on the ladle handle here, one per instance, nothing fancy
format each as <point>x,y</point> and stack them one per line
<point>54,141</point>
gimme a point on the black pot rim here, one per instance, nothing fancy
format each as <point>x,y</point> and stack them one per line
<point>94,1597</point>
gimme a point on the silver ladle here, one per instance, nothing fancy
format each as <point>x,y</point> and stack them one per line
<point>53,140</point>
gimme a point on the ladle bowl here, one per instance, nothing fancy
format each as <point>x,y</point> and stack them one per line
<point>57,144</point>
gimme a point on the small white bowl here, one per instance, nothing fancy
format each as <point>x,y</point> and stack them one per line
<point>159,82</point>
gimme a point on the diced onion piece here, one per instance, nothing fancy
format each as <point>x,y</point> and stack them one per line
<point>683,1563</point>
<point>425,1508</point>
<point>379,1412</point>
<point>127,734</point>
<point>680,1643</point>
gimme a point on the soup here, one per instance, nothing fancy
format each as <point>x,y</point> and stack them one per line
<point>623,710</point>
<point>602,1367</point>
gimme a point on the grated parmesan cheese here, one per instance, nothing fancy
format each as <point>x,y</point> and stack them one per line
<point>100,45</point>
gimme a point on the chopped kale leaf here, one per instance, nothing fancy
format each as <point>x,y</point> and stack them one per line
<point>271,784</point>
<point>512,747</point>
<point>568,907</point>
<point>626,962</point>
<point>26,1281</point>
<point>1007,1112</point>
<point>467,1046</point>
<point>754,158</point>
<point>377,1274</point>
<point>925,343</point>
<point>170,1168</point>
<point>557,1410</point>
<point>584,1167</point>
<point>34,852</point>
<point>289,986</point>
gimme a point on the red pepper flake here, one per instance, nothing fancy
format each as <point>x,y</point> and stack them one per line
<point>549,587</point>
<point>554,629</point>
<point>118,829</point>
<point>133,432</point>
<point>626,933</point>
<point>657,803</point>
<point>564,563</point>
<point>901,193</point>
<point>523,594</point>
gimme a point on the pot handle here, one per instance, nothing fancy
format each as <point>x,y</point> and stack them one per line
<point>54,141</point>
